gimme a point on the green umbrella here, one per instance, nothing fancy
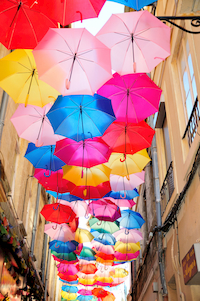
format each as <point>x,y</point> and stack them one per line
<point>87,252</point>
<point>65,256</point>
<point>103,226</point>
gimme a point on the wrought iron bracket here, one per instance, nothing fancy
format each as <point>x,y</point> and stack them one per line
<point>195,22</point>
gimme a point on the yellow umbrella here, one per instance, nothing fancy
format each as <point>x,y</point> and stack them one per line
<point>87,281</point>
<point>19,78</point>
<point>104,262</point>
<point>82,176</point>
<point>119,273</point>
<point>104,279</point>
<point>83,235</point>
<point>68,296</point>
<point>132,164</point>
<point>126,248</point>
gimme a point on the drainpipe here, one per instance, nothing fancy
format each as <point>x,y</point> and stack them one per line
<point>3,108</point>
<point>47,274</point>
<point>45,247</point>
<point>35,219</point>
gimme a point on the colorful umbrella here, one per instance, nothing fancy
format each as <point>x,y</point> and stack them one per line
<point>123,202</point>
<point>80,117</point>
<point>68,288</point>
<point>104,210</point>
<point>22,26</point>
<point>130,219</point>
<point>63,247</point>
<point>103,281</point>
<point>128,138</point>
<point>126,257</point>
<point>99,247</point>
<point>91,192</point>
<point>83,235</point>
<point>86,282</point>
<point>81,56</point>
<point>19,78</point>
<point>68,11</point>
<point>64,196</point>
<point>105,256</point>
<point>42,157</point>
<point>87,253</point>
<point>123,198</point>
<point>138,41</point>
<point>60,232</point>
<point>135,4</point>
<point>130,236</point>
<point>53,180</point>
<point>87,268</point>
<point>126,248</point>
<point>122,183</point>
<point>70,269</point>
<point>103,226</point>
<point>85,153</point>
<point>68,296</point>
<point>65,257</point>
<point>99,292</point>
<point>32,124</point>
<point>85,292</point>
<point>134,96</point>
<point>79,207</point>
<point>106,239</point>
<point>58,213</point>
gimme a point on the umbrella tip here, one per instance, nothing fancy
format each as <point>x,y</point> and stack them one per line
<point>67,83</point>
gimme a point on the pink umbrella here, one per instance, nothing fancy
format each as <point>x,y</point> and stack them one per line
<point>98,247</point>
<point>104,210</point>
<point>128,236</point>
<point>85,153</point>
<point>129,182</point>
<point>32,124</point>
<point>85,292</point>
<point>134,96</point>
<point>53,182</point>
<point>79,207</point>
<point>127,256</point>
<point>123,202</point>
<point>79,60</point>
<point>61,232</point>
<point>70,269</point>
<point>138,41</point>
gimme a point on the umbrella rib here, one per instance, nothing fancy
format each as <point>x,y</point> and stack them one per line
<point>30,24</point>
<point>29,69</point>
<point>142,98</point>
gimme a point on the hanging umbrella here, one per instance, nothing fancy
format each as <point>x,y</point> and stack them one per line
<point>64,257</point>
<point>85,292</point>
<point>63,247</point>
<point>68,296</point>
<point>135,4</point>
<point>123,198</point>
<point>134,96</point>
<point>130,236</point>
<point>126,248</point>
<point>128,138</point>
<point>86,298</point>
<point>81,57</point>
<point>99,247</point>
<point>125,165</point>
<point>123,202</point>
<point>32,124</point>
<point>68,277</point>
<point>103,226</point>
<point>74,224</point>
<point>68,11</point>
<point>107,263</point>
<point>104,210</point>
<point>83,235</point>
<point>86,276</point>
<point>58,213</point>
<point>130,219</point>
<point>63,196</point>
<point>53,180</point>
<point>99,292</point>
<point>69,282</point>
<point>119,273</point>
<point>87,268</point>
<point>85,153</point>
<point>138,41</point>
<point>104,256</point>
<point>91,192</point>
<point>70,269</point>
<point>79,207</point>
<point>42,157</point>
<point>87,253</point>
<point>103,281</point>
<point>60,232</point>
<point>106,239</point>
<point>22,26</point>
<point>80,117</point>
<point>122,183</point>
<point>68,288</point>
<point>87,282</point>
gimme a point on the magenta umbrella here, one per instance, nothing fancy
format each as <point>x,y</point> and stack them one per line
<point>126,256</point>
<point>129,182</point>
<point>70,269</point>
<point>79,60</point>
<point>134,96</point>
<point>32,124</point>
<point>85,153</point>
<point>138,41</point>
<point>104,210</point>
<point>122,202</point>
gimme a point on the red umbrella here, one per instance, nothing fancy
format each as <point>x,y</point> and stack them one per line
<point>22,26</point>
<point>58,213</point>
<point>54,182</point>
<point>89,268</point>
<point>128,138</point>
<point>99,292</point>
<point>91,192</point>
<point>69,11</point>
<point>67,277</point>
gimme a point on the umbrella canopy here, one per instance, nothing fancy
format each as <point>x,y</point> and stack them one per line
<point>119,273</point>
<point>83,235</point>
<point>103,226</point>
<point>126,248</point>
<point>135,4</point>
<point>86,282</point>
<point>99,247</point>
<point>85,292</point>
<point>68,288</point>
<point>122,183</point>
<point>134,96</point>
<point>60,232</point>
<point>68,296</point>
<point>63,247</point>
<point>53,180</point>
<point>32,124</point>
<point>87,268</point>
<point>81,57</point>
<point>80,117</point>
<point>70,269</point>
<point>138,41</point>
<point>65,257</point>
<point>79,207</point>
<point>128,138</point>
<point>130,219</point>
<point>19,78</point>
<point>58,213</point>
<point>104,210</point>
<point>42,157</point>
<point>123,202</point>
<point>125,165</point>
<point>64,196</point>
<point>85,153</point>
<point>105,239</point>
<point>21,25</point>
<point>130,236</point>
<point>123,198</point>
<point>87,253</point>
<point>68,11</point>
<point>91,192</point>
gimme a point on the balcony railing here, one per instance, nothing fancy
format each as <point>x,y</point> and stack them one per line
<point>191,128</point>
<point>167,188</point>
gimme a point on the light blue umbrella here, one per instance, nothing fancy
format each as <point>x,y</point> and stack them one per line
<point>128,194</point>
<point>106,239</point>
<point>135,4</point>
<point>64,196</point>
<point>130,219</point>
<point>70,289</point>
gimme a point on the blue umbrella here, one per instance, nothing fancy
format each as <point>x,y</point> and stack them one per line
<point>63,247</point>
<point>69,282</point>
<point>70,289</point>
<point>106,239</point>
<point>130,219</point>
<point>42,157</point>
<point>81,116</point>
<point>135,4</point>
<point>128,194</point>
<point>84,298</point>
<point>64,196</point>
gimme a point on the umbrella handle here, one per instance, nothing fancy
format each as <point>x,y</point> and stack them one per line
<point>38,145</point>
<point>123,159</point>
<point>78,11</point>
<point>99,224</point>
<point>47,175</point>
<point>56,245</point>
<point>56,207</point>
<point>123,197</point>
<point>126,231</point>
<point>90,135</point>
<point>54,228</point>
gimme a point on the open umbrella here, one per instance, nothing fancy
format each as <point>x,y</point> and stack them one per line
<point>91,192</point>
<point>68,11</point>
<point>60,232</point>
<point>21,25</point>
<point>134,96</point>
<point>99,247</point>
<point>104,210</point>
<point>105,239</point>
<point>63,247</point>
<point>58,213</point>
<point>130,219</point>
<point>19,78</point>
<point>68,288</point>
<point>123,198</point>
<point>65,257</point>
<point>87,268</point>
<point>81,116</point>
<point>135,4</point>
<point>85,292</point>
<point>85,153</point>
<point>130,236</point>
<point>122,183</point>
<point>64,196</point>
<point>79,207</point>
<point>83,235</point>
<point>138,41</point>
<point>126,247</point>
<point>128,138</point>
<point>122,202</point>
<point>68,296</point>
<point>103,226</point>
<point>87,254</point>
<point>71,270</point>
<point>79,60</point>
